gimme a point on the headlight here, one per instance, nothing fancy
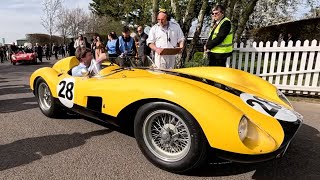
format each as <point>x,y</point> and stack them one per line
<point>243,128</point>
<point>283,98</point>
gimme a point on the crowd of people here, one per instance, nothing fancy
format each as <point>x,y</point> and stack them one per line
<point>165,34</point>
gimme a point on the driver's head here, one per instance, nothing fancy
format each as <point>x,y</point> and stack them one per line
<point>126,32</point>
<point>84,55</point>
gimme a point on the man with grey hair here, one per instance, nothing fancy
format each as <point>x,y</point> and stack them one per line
<point>165,34</point>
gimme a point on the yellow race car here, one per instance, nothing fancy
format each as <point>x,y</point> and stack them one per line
<point>178,116</point>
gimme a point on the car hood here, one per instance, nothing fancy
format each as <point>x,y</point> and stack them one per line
<point>237,79</point>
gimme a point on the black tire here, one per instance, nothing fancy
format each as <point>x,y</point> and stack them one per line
<point>52,110</point>
<point>14,63</point>
<point>192,158</point>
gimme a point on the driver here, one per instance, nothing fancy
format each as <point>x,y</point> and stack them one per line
<point>84,55</point>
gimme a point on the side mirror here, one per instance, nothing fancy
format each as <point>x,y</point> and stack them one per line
<point>85,72</point>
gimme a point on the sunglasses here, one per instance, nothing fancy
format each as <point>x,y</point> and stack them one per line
<point>215,13</point>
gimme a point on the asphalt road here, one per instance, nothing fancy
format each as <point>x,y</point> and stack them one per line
<point>33,146</point>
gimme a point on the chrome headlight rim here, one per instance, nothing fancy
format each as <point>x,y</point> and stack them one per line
<point>243,128</point>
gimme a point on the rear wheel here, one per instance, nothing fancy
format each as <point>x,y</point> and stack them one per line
<point>170,137</point>
<point>46,101</point>
<point>14,63</point>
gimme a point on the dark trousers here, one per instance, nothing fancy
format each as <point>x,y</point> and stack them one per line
<point>40,57</point>
<point>217,59</point>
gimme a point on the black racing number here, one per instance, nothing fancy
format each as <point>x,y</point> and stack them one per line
<point>262,103</point>
<point>60,94</point>
<point>69,87</point>
<point>69,90</point>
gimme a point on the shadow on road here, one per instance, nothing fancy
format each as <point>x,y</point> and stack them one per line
<point>27,150</point>
<point>15,105</point>
<point>302,161</point>
<point>15,90</point>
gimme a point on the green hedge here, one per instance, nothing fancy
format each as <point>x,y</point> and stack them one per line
<point>197,60</point>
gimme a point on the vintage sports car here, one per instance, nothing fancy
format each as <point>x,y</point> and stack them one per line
<point>178,116</point>
<point>21,56</point>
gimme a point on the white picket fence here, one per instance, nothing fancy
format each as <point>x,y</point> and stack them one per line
<point>293,69</point>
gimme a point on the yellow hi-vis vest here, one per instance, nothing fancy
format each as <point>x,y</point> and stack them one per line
<point>226,46</point>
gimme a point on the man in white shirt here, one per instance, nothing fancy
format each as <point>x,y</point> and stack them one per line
<point>165,34</point>
<point>84,55</point>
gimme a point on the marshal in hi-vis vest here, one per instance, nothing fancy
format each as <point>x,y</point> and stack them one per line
<point>226,46</point>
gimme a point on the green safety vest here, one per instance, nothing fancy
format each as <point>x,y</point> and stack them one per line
<point>226,46</point>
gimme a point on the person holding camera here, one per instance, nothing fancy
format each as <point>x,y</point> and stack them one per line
<point>165,34</point>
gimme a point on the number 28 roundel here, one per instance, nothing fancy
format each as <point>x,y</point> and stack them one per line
<point>269,108</point>
<point>65,91</point>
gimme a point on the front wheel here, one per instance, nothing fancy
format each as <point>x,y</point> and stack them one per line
<point>46,101</point>
<point>170,137</point>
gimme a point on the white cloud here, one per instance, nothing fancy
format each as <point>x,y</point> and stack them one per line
<point>20,17</point>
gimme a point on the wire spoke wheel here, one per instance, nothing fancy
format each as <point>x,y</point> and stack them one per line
<point>44,96</point>
<point>166,135</point>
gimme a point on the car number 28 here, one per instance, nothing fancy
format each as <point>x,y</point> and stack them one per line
<point>269,108</point>
<point>65,91</point>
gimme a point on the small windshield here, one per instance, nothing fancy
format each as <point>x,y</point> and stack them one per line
<point>128,62</point>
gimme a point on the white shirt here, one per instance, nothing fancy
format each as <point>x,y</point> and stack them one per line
<point>165,37</point>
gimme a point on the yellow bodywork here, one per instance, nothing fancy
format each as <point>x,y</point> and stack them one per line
<point>217,111</point>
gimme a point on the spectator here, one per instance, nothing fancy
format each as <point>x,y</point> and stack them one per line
<point>99,48</point>
<point>280,39</point>
<point>165,34</point>
<point>55,50</point>
<point>63,50</point>
<point>2,52</point>
<point>143,49</point>
<point>79,42</point>
<point>39,51</point>
<point>71,48</point>
<point>93,44</point>
<point>219,44</point>
<point>111,45</point>
<point>290,38</point>
<point>125,45</point>
<point>47,52</point>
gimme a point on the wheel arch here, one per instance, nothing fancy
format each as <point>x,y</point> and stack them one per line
<point>127,115</point>
<point>49,75</point>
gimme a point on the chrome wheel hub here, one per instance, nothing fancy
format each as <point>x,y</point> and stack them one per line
<point>166,135</point>
<point>44,96</point>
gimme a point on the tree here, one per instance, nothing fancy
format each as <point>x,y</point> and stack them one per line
<point>51,10</point>
<point>155,7</point>
<point>78,19</point>
<point>313,13</point>
<point>63,23</point>
<point>201,18</point>
<point>129,11</point>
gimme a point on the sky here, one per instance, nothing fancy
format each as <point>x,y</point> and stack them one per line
<point>20,17</point>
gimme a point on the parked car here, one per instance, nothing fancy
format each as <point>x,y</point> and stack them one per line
<point>177,115</point>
